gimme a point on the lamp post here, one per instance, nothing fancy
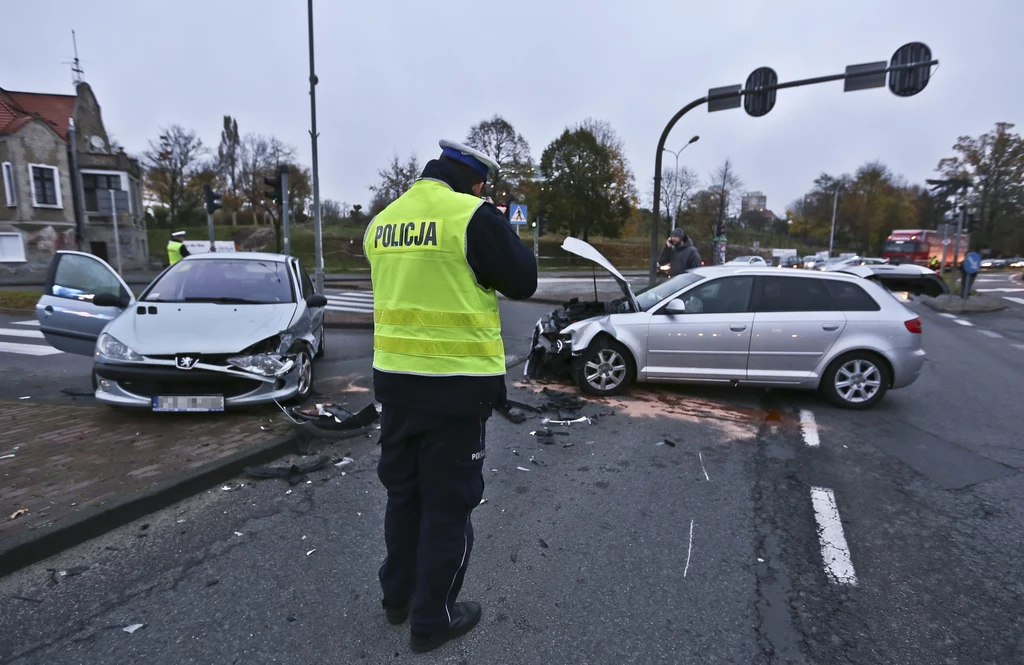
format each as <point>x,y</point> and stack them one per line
<point>835,205</point>
<point>907,72</point>
<point>677,153</point>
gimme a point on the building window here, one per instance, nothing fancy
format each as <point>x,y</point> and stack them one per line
<point>45,182</point>
<point>10,193</point>
<point>92,182</point>
<point>12,248</point>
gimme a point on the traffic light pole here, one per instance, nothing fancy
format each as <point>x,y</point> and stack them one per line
<point>737,94</point>
<point>209,225</point>
<point>284,211</point>
<point>536,238</point>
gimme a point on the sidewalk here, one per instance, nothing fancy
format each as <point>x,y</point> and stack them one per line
<point>62,463</point>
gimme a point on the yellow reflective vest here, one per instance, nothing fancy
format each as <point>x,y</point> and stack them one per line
<point>431,317</point>
<point>174,251</point>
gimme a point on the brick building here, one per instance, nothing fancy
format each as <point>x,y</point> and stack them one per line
<point>44,205</point>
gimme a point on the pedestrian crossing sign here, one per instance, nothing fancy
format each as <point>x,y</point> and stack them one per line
<point>518,214</point>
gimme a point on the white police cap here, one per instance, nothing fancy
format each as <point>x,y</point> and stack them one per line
<point>474,159</point>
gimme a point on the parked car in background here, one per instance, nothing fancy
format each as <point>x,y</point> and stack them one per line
<point>791,262</point>
<point>810,261</point>
<point>735,325</point>
<point>750,260</point>
<point>210,332</point>
<point>1017,262</point>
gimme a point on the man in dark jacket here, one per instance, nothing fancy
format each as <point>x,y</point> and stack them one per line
<point>679,254</point>
<point>438,256</point>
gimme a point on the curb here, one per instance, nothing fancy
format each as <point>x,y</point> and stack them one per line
<point>349,325</point>
<point>958,306</point>
<point>34,547</point>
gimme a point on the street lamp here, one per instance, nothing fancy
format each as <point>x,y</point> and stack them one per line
<point>835,205</point>
<point>908,73</point>
<point>677,153</point>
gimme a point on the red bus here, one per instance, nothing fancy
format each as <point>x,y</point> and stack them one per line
<point>919,246</point>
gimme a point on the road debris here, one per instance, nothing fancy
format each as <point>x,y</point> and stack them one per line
<point>568,445</point>
<point>543,543</point>
<point>239,533</point>
<point>294,473</point>
<point>213,581</point>
<point>567,423</point>
<point>331,421</point>
<point>522,468</point>
<point>701,455</point>
<point>546,432</point>
<point>511,414</point>
<point>26,397</point>
<point>226,488</point>
<point>18,513</point>
<point>494,471</point>
<point>482,502</point>
<point>345,461</point>
<point>74,571</point>
<point>311,551</point>
<point>7,456</point>
<point>666,442</point>
<point>134,627</point>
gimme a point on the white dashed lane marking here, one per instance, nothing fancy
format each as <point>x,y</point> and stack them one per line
<point>15,332</point>
<point>963,323</point>
<point>1019,301</point>
<point>809,428</point>
<point>948,316</point>
<point>834,551</point>
<point>27,323</point>
<point>991,333</point>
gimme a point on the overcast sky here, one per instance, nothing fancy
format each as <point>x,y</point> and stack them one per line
<point>396,76</point>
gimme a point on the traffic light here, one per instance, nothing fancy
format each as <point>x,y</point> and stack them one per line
<point>212,199</point>
<point>971,222</point>
<point>538,224</point>
<point>274,193</point>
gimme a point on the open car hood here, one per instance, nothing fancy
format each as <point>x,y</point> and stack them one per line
<point>586,250</point>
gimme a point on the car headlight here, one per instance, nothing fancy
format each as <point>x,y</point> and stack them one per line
<point>264,365</point>
<point>109,346</point>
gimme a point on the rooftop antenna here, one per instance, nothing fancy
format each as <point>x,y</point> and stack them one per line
<point>77,73</point>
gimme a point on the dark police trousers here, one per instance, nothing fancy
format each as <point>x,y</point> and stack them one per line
<point>432,467</point>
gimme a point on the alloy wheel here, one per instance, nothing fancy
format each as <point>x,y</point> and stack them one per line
<point>606,371</point>
<point>858,381</point>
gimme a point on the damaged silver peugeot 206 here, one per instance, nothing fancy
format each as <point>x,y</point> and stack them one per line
<point>213,331</point>
<point>843,335</point>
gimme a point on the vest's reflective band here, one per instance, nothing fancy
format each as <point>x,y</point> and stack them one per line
<point>422,347</point>
<point>426,319</point>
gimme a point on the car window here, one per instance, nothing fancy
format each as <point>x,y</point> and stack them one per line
<point>653,295</point>
<point>307,284</point>
<point>224,280</point>
<point>793,294</point>
<point>851,297</point>
<point>81,275</point>
<point>722,296</point>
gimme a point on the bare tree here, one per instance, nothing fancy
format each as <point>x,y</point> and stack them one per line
<point>170,163</point>
<point>259,157</point>
<point>723,188</point>
<point>330,212</point>
<point>499,140</point>
<point>677,186</point>
<point>395,180</point>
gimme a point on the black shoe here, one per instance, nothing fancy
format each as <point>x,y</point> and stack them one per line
<point>466,617</point>
<point>396,614</point>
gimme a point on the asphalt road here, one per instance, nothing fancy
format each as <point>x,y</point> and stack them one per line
<point>777,530</point>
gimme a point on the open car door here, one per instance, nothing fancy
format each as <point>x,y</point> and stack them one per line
<point>68,317</point>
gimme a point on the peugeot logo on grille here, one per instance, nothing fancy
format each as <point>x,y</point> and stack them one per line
<point>185,362</point>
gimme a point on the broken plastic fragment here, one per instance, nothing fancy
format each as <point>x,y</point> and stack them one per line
<point>760,560</point>
<point>134,627</point>
<point>294,473</point>
<point>239,533</point>
<point>482,502</point>
<point>26,397</point>
<point>521,468</point>
<point>311,551</point>
<point>226,488</point>
<point>345,461</point>
<point>666,442</point>
<point>6,456</point>
<point>18,513</point>
<point>581,419</point>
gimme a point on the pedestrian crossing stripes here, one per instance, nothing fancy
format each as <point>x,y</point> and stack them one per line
<point>1019,301</point>
<point>20,347</point>
<point>359,302</point>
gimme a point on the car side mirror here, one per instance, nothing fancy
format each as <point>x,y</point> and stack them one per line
<point>109,300</point>
<point>676,306</point>
<point>316,300</point>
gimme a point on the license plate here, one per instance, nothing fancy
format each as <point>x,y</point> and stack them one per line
<point>191,403</point>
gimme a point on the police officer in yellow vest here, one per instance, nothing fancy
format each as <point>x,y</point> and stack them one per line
<point>176,249</point>
<point>438,255</point>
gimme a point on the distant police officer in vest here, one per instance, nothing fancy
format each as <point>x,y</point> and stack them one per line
<point>438,255</point>
<point>176,249</point>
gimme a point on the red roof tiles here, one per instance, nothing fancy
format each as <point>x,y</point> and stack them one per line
<point>55,110</point>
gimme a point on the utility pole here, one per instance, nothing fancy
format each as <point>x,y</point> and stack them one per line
<point>959,231</point>
<point>835,205</point>
<point>318,247</point>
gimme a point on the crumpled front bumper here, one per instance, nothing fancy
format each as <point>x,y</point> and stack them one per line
<point>550,354</point>
<point>136,384</point>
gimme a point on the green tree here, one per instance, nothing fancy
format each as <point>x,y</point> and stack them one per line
<point>994,165</point>
<point>580,190</point>
<point>499,140</point>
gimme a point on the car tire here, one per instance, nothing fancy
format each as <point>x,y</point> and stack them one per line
<point>321,349</point>
<point>304,360</point>
<point>856,380</point>
<point>605,369</point>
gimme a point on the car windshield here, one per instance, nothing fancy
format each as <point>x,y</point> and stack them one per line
<point>228,281</point>
<point>653,295</point>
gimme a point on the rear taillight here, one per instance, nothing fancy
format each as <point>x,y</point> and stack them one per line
<point>914,325</point>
